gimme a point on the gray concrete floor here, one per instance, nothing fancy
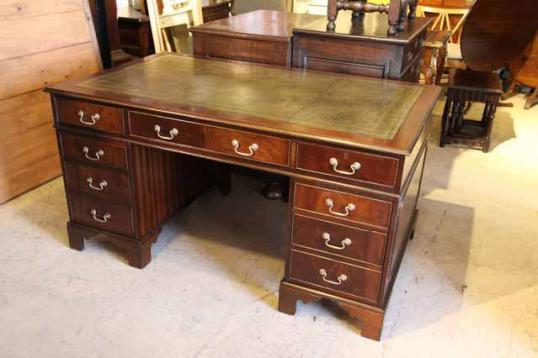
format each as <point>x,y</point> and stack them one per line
<point>468,285</point>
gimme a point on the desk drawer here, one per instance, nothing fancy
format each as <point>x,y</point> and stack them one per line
<point>353,243</point>
<point>166,129</point>
<point>101,214</point>
<point>349,164</point>
<point>89,115</point>
<point>95,151</point>
<point>102,183</point>
<point>340,205</point>
<point>330,275</point>
<point>250,146</point>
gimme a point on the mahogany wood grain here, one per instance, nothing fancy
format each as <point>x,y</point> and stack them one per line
<point>368,211</point>
<point>365,245</point>
<point>362,284</point>
<point>107,184</point>
<point>120,217</point>
<point>374,168</point>
<point>89,115</point>
<point>188,133</point>
<point>164,176</point>
<point>114,152</point>
<point>270,149</point>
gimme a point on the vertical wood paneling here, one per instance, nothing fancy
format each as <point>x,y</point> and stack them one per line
<point>42,42</point>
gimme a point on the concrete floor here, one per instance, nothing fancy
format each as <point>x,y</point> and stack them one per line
<point>468,285</point>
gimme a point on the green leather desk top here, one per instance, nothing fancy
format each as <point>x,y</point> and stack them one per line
<point>327,107</point>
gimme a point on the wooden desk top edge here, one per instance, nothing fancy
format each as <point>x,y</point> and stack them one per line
<point>401,144</point>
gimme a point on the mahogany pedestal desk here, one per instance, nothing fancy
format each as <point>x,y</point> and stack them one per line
<point>130,139</point>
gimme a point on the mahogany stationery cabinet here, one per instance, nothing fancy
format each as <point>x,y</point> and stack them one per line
<point>354,148</point>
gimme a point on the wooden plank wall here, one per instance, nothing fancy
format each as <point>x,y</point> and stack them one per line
<point>42,42</point>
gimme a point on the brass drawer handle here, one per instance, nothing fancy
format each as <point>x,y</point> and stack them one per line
<point>101,187</point>
<point>354,167</point>
<point>327,237</point>
<point>103,219</point>
<point>348,209</point>
<point>341,278</point>
<point>172,133</point>
<point>93,118</point>
<point>98,154</point>
<point>251,148</point>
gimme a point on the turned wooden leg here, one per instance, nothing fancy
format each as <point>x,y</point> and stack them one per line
<point>332,13</point>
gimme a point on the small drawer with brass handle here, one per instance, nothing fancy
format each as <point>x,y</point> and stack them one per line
<point>342,205</point>
<point>102,152</point>
<point>348,164</point>
<point>100,182</point>
<point>348,209</point>
<point>97,213</point>
<point>341,278</point>
<point>103,219</point>
<point>333,276</point>
<point>96,116</point>
<point>172,133</point>
<point>252,146</point>
<point>149,126</point>
<point>338,240</point>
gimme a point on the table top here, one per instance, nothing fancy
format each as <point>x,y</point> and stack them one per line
<point>280,26</point>
<point>334,108</point>
<point>373,27</point>
<point>277,25</point>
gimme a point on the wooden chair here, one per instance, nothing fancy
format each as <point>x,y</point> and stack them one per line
<point>442,20</point>
<point>165,14</point>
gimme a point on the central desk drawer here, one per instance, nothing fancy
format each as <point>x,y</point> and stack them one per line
<point>341,205</point>
<point>103,183</point>
<point>246,145</point>
<point>100,214</point>
<point>90,115</point>
<point>349,164</point>
<point>328,274</point>
<point>341,240</point>
<point>95,151</point>
<point>166,129</point>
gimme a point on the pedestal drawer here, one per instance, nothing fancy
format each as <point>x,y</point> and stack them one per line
<point>341,205</point>
<point>95,151</point>
<point>341,240</point>
<point>102,183</point>
<point>349,164</point>
<point>330,275</point>
<point>90,115</point>
<point>166,129</point>
<point>246,145</point>
<point>101,214</point>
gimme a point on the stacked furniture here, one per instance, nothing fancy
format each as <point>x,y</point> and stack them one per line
<point>510,30</point>
<point>269,37</point>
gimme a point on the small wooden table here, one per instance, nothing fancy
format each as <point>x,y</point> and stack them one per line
<point>465,87</point>
<point>361,47</point>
